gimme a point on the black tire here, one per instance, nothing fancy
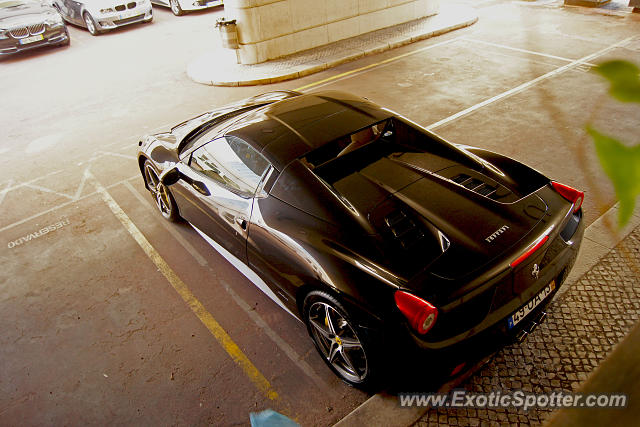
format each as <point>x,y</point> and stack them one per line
<point>91,24</point>
<point>161,195</point>
<point>344,347</point>
<point>175,8</point>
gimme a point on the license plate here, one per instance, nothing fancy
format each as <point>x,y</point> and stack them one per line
<point>516,317</point>
<point>31,39</point>
<point>127,14</point>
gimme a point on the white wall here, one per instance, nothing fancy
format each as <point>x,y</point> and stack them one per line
<point>268,29</point>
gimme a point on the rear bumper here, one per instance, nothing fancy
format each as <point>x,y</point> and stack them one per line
<point>555,265</point>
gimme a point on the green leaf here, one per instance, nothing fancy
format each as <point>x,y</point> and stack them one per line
<point>624,77</point>
<point>622,165</point>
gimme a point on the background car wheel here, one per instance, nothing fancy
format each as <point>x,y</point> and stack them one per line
<point>160,193</point>
<point>91,24</point>
<point>175,8</point>
<point>340,342</point>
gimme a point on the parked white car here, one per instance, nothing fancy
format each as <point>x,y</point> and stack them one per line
<point>101,15</point>
<point>179,7</point>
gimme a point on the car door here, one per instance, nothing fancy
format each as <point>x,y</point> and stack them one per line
<point>217,190</point>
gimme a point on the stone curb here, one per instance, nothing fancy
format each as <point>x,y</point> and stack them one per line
<point>205,69</point>
<point>383,409</point>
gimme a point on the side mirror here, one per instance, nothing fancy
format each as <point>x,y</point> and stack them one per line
<point>170,176</point>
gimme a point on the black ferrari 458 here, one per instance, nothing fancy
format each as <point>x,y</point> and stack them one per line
<point>366,226</point>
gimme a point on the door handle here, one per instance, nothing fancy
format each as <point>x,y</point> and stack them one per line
<point>241,222</point>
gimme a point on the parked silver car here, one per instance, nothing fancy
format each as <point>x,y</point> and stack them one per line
<point>179,7</point>
<point>101,15</point>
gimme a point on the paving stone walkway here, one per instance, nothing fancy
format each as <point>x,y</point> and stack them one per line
<point>582,327</point>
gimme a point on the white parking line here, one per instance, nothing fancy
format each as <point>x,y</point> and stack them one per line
<point>4,192</point>
<point>530,52</point>
<point>528,84</point>
<point>62,205</point>
<point>48,190</point>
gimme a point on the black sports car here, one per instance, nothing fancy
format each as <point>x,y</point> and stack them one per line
<point>366,226</point>
<point>28,24</point>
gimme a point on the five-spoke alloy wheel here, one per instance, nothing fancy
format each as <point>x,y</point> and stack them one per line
<point>160,193</point>
<point>336,338</point>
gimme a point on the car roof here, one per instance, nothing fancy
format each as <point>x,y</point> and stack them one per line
<point>289,129</point>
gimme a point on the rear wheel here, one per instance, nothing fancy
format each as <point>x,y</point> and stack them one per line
<point>160,193</point>
<point>91,24</point>
<point>340,342</point>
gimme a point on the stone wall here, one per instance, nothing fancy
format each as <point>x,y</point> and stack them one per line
<point>268,29</point>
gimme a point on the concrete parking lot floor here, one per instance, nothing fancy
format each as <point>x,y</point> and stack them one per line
<point>93,330</point>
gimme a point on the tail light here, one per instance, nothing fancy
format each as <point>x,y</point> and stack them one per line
<point>420,314</point>
<point>571,194</point>
<point>531,249</point>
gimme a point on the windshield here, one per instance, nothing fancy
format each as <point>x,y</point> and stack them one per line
<point>209,130</point>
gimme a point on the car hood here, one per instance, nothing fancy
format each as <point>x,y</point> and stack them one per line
<point>23,14</point>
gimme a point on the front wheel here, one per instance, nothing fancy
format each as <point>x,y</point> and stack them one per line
<point>91,24</point>
<point>175,7</point>
<point>160,193</point>
<point>338,339</point>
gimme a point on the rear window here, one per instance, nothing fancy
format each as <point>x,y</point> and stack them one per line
<point>354,152</point>
<point>345,144</point>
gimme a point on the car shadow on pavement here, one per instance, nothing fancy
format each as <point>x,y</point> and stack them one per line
<point>424,372</point>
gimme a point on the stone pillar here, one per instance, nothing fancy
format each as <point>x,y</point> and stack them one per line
<point>269,29</point>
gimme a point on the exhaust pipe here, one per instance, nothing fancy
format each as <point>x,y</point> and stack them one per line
<point>533,324</point>
<point>541,317</point>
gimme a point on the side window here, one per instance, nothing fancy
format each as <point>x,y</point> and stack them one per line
<point>231,162</point>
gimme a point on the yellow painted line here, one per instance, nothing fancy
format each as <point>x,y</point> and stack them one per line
<point>377,64</point>
<point>181,288</point>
